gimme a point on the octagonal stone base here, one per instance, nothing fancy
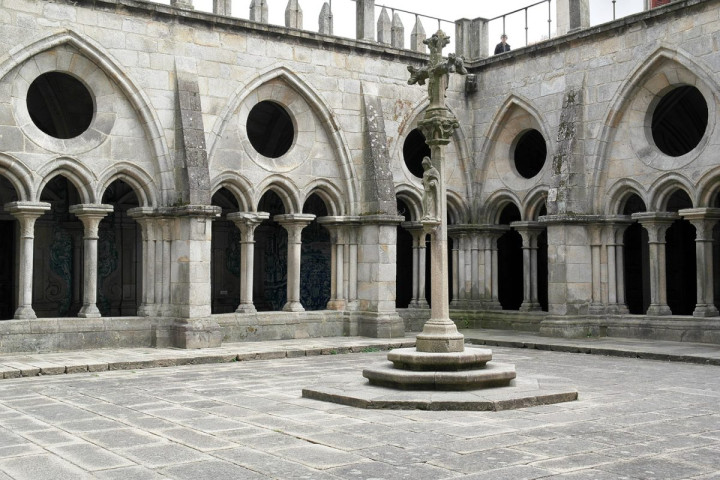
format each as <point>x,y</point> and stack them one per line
<point>412,359</point>
<point>492,375</point>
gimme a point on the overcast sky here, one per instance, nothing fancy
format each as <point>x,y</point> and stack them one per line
<point>344,15</point>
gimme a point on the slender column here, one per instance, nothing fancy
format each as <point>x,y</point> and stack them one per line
<point>418,273</point>
<point>462,271</point>
<point>596,304</point>
<point>474,271</point>
<point>338,238</point>
<point>529,231</point>
<point>656,224</point>
<point>159,271</point>
<point>352,268</point>
<point>492,234</point>
<point>166,259</point>
<point>455,273</point>
<point>704,220</point>
<point>294,224</point>
<point>143,215</point>
<point>90,215</point>
<point>247,222</point>
<point>615,229</point>
<point>26,214</point>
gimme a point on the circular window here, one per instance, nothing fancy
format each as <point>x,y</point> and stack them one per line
<point>530,153</point>
<point>414,150</point>
<point>270,129</point>
<point>679,121</point>
<point>60,105</point>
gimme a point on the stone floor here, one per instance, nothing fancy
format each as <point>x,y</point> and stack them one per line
<point>635,418</point>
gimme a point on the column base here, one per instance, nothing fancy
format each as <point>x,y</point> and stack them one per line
<point>336,305</point>
<point>419,304</point>
<point>658,310</point>
<point>146,310</point>
<point>705,310</point>
<point>617,309</point>
<point>246,308</point>
<point>440,336</point>
<point>596,309</point>
<point>89,311</point>
<point>25,312</point>
<point>196,333</point>
<point>293,307</point>
<point>492,305</point>
<point>530,307</point>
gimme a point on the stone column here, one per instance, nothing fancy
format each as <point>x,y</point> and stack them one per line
<point>144,217</point>
<point>475,287</point>
<point>222,7</point>
<point>596,303</point>
<point>657,224</point>
<point>572,15</point>
<point>352,249</point>
<point>529,231</point>
<point>247,222</point>
<point>259,11</point>
<point>616,226</point>
<point>90,215</point>
<point>418,273</point>
<point>339,284</point>
<point>26,214</point>
<point>704,221</point>
<point>491,235</point>
<point>471,38</point>
<point>365,20</point>
<point>455,272</point>
<point>294,224</point>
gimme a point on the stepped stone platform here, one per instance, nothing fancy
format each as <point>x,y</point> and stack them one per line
<point>464,380</point>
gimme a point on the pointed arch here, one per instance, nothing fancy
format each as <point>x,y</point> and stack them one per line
<point>412,198</point>
<point>75,171</point>
<point>329,194</point>
<point>497,124</point>
<point>663,188</point>
<point>619,193</point>
<point>624,97</point>
<point>284,188</point>
<point>238,185</point>
<point>138,99</point>
<point>138,179</point>
<point>534,202</point>
<point>459,141</point>
<point>18,175</point>
<point>456,210</point>
<point>708,189</point>
<point>495,204</point>
<point>320,108</point>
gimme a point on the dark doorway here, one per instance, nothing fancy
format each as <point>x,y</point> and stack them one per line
<point>680,259</point>
<point>119,244</point>
<point>315,268</point>
<point>510,262</point>
<point>225,256</point>
<point>636,268</point>
<point>542,271</point>
<point>404,264</point>
<point>271,248</point>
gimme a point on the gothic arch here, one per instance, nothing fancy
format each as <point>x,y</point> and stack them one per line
<point>136,177</point>
<point>409,195</point>
<point>497,126</point>
<point>624,98</point>
<point>457,213</point>
<point>284,188</point>
<point>328,193</point>
<point>78,174</point>
<point>459,141</point>
<point>18,175</point>
<point>139,100</point>
<point>238,185</point>
<point>496,203</point>
<point>319,107</point>
<point>534,203</point>
<point>619,193</point>
<point>663,188</point>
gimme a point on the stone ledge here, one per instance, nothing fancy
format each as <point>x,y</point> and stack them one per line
<point>360,394</point>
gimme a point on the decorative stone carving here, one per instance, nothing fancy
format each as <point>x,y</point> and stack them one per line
<point>431,195</point>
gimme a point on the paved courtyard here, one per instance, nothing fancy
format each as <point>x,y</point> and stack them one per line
<point>634,419</point>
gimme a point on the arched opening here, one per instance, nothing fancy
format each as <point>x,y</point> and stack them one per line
<point>58,253</point>
<point>271,250</point>
<point>60,105</point>
<point>225,256</point>
<point>119,245</point>
<point>637,260</point>
<point>270,129</point>
<point>680,259</point>
<point>414,150</point>
<point>8,266</point>
<point>530,153</point>
<point>510,261</point>
<point>404,263</point>
<point>315,258</point>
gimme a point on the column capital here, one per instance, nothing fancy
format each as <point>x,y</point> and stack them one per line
<point>247,222</point>
<point>529,231</point>
<point>90,215</point>
<point>294,223</point>
<point>656,224</point>
<point>615,226</point>
<point>703,219</point>
<point>18,209</point>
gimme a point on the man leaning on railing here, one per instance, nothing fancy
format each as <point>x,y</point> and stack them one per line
<point>503,46</point>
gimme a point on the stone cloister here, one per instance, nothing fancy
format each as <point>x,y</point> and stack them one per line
<point>174,177</point>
